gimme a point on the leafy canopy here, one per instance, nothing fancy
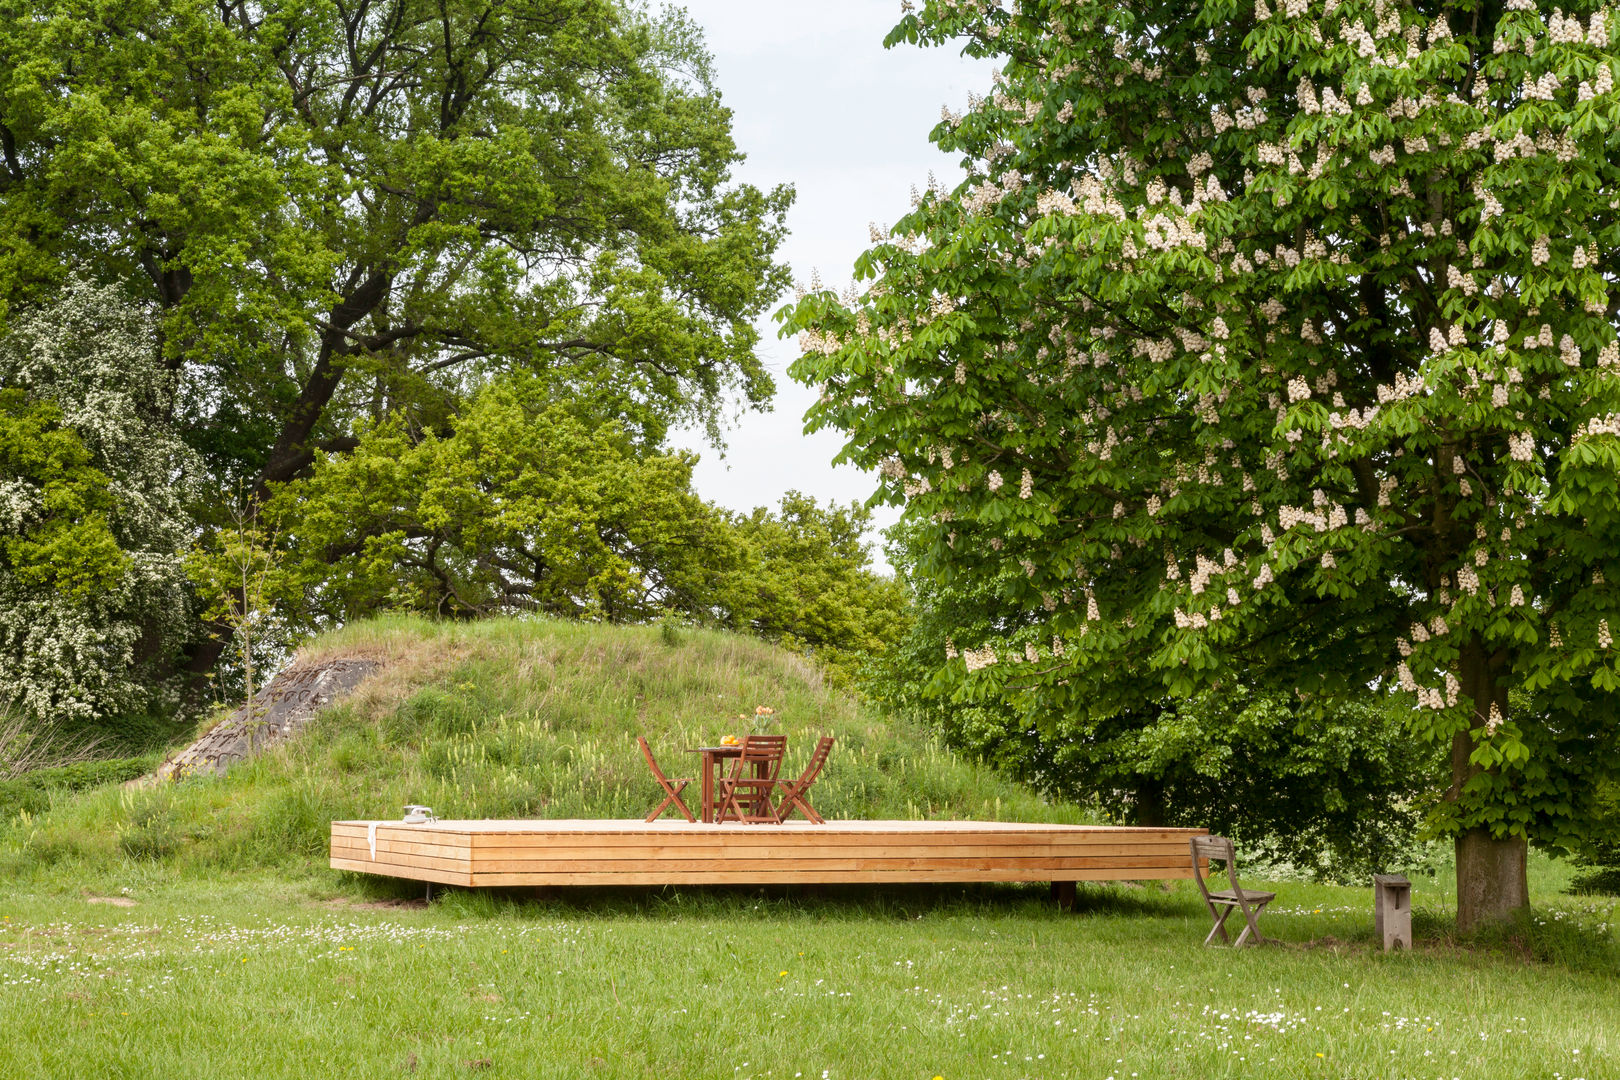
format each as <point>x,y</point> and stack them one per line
<point>354,211</point>
<point>1271,345</point>
<point>1332,788</point>
<point>530,504</point>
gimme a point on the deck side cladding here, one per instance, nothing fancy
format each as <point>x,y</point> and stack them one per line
<point>475,853</point>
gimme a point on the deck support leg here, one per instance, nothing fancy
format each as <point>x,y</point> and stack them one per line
<point>1063,893</point>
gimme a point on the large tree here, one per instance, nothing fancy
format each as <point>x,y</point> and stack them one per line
<point>1273,347</point>
<point>531,504</point>
<point>352,209</point>
<point>526,505</point>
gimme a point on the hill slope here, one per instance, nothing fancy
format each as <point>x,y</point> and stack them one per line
<point>514,718</point>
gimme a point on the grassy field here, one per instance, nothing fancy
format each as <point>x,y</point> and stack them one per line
<point>195,931</point>
<point>274,979</point>
<point>510,718</point>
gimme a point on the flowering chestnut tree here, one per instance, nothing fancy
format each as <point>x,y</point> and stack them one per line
<point>1272,344</point>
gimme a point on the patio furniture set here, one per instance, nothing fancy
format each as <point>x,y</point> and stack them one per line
<point>752,792</point>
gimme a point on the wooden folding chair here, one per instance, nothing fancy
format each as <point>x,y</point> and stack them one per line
<point>672,787</point>
<point>793,791</point>
<point>1222,902</point>
<point>745,795</point>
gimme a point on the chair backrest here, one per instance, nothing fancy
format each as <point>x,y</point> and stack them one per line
<point>646,752</point>
<point>1213,847</point>
<point>817,760</point>
<point>763,750</point>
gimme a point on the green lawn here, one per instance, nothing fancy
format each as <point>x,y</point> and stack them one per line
<point>262,977</point>
<point>242,955</point>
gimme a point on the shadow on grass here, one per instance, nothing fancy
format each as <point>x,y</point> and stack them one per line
<point>833,902</point>
<point>1582,939</point>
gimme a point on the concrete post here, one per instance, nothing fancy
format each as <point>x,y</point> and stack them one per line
<point>1392,910</point>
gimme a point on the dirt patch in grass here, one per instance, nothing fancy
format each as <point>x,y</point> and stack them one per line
<point>115,901</point>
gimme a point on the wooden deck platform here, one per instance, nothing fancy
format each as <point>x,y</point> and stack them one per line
<point>610,852</point>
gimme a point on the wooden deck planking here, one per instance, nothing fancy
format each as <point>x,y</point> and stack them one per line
<point>611,852</point>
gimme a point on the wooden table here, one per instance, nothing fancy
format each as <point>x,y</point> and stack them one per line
<point>712,758</point>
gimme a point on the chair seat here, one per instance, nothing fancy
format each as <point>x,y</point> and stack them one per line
<point>1231,896</point>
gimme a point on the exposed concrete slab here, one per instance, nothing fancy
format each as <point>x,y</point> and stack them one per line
<point>277,712</point>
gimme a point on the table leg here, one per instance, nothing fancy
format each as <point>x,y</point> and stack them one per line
<point>707,814</point>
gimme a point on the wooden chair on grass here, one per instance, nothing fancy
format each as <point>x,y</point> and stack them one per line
<point>793,791</point>
<point>1222,902</point>
<point>745,795</point>
<point>672,787</point>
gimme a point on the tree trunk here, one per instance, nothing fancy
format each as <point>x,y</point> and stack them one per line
<point>1491,882</point>
<point>1149,810</point>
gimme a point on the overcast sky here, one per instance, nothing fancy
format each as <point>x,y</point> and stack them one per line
<point>818,103</point>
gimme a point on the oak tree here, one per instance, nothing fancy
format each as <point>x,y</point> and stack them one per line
<point>350,210</point>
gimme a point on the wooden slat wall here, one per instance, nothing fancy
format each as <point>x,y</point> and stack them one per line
<point>476,853</point>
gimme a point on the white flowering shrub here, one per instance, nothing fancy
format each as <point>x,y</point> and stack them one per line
<point>93,596</point>
<point>1296,320</point>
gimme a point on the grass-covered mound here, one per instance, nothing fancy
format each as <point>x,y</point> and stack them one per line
<point>511,719</point>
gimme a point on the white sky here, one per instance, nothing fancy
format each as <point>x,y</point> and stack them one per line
<point>818,103</point>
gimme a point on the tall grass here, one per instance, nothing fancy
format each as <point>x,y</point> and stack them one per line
<point>519,718</point>
<point>27,746</point>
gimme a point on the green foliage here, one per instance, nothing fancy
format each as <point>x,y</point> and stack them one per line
<point>1599,857</point>
<point>528,504</point>
<point>348,215</point>
<point>1264,349</point>
<point>349,222</point>
<point>32,792</point>
<point>59,504</point>
<point>523,504</point>
<point>807,584</point>
<point>1332,791</point>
